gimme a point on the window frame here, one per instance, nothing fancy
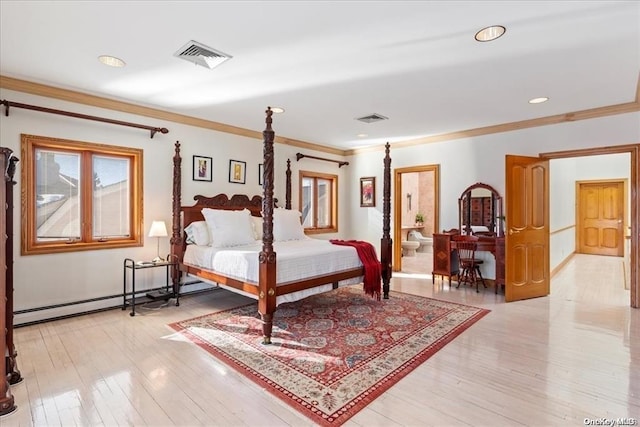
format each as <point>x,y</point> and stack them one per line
<point>333,228</point>
<point>86,150</point>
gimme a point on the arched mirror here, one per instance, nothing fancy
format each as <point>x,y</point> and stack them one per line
<point>480,211</point>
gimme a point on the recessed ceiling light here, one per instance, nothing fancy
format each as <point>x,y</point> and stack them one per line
<point>111,61</point>
<point>538,100</point>
<point>277,110</point>
<point>362,135</point>
<point>490,33</point>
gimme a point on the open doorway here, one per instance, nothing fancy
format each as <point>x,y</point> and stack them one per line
<point>564,240</point>
<point>417,197</point>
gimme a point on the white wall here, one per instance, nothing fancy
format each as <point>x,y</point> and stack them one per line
<point>562,209</point>
<point>43,280</point>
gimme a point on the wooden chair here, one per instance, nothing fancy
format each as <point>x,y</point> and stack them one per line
<point>468,263</point>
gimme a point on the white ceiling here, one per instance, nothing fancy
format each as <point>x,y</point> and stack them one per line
<point>329,62</point>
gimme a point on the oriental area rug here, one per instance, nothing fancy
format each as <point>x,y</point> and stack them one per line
<point>332,353</point>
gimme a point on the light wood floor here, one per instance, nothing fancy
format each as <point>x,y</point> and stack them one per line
<point>557,360</point>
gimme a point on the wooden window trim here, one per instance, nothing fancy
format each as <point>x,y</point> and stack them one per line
<point>333,228</point>
<point>28,243</point>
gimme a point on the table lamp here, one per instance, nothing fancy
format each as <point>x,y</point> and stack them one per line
<point>158,229</point>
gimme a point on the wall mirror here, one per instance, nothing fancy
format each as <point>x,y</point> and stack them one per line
<point>480,211</point>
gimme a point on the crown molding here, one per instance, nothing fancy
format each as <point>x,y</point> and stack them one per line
<point>39,89</point>
<point>97,101</point>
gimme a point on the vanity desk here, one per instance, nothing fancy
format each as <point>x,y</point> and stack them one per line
<point>479,214</point>
<point>445,256</point>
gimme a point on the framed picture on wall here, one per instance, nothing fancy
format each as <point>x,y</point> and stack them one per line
<point>368,191</point>
<point>237,171</point>
<point>202,168</point>
<point>260,173</point>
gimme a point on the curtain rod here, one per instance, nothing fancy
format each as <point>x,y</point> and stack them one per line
<point>8,104</point>
<point>339,162</point>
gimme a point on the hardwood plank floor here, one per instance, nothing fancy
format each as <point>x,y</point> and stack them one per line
<point>561,359</point>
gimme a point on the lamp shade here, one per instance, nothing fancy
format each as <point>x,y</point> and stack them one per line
<point>158,229</point>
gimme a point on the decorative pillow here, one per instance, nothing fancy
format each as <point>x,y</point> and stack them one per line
<point>287,225</point>
<point>229,228</point>
<point>256,221</point>
<point>198,233</point>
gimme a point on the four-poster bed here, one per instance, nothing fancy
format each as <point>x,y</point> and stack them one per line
<point>269,282</point>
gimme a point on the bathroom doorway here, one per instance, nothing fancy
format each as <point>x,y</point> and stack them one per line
<point>416,196</point>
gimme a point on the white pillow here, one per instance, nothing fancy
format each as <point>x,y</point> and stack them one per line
<point>256,221</point>
<point>477,228</point>
<point>229,228</point>
<point>198,233</point>
<point>287,225</point>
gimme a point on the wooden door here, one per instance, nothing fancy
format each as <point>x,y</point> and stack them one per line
<point>527,273</point>
<point>600,218</point>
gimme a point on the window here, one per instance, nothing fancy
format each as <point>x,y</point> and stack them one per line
<point>79,196</point>
<point>319,201</point>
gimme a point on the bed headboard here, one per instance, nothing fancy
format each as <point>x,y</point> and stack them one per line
<point>221,201</point>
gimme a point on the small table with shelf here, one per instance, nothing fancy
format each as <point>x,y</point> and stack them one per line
<point>163,293</point>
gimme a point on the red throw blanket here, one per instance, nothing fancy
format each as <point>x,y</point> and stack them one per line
<point>372,267</point>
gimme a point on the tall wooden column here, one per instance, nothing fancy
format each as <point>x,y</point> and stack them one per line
<point>386,243</point>
<point>7,403</point>
<point>12,366</point>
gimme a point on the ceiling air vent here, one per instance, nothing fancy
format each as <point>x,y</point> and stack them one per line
<point>201,55</point>
<point>371,118</point>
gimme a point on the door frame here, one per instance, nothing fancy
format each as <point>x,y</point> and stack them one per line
<point>634,194</point>
<point>397,202</point>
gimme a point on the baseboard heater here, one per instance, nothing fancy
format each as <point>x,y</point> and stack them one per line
<point>118,304</point>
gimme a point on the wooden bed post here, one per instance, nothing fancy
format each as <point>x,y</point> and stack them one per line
<point>177,243</point>
<point>287,200</point>
<point>267,257</point>
<point>7,365</point>
<point>13,373</point>
<point>386,244</point>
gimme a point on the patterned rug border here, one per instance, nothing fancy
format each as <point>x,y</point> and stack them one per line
<point>360,401</point>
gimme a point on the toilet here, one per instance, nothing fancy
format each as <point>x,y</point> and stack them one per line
<point>426,243</point>
<point>409,247</point>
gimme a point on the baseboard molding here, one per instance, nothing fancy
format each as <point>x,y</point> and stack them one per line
<point>562,264</point>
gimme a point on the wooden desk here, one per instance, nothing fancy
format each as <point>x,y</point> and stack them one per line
<point>445,256</point>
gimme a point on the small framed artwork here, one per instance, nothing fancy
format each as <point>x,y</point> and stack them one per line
<point>260,173</point>
<point>368,192</point>
<point>202,168</point>
<point>237,171</point>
